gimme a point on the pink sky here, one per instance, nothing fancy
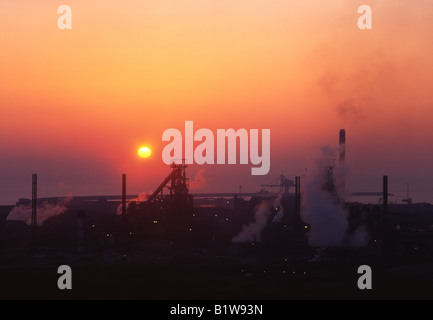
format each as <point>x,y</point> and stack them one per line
<point>75,105</point>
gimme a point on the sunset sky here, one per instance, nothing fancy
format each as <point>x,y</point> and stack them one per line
<point>76,105</point>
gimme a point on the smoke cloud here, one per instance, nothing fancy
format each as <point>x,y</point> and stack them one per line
<point>44,211</point>
<point>359,238</point>
<point>277,205</point>
<point>140,198</point>
<point>347,110</point>
<point>253,231</point>
<point>323,209</point>
<point>199,181</point>
<point>326,217</point>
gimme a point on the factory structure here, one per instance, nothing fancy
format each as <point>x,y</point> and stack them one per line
<point>172,212</point>
<point>271,225</point>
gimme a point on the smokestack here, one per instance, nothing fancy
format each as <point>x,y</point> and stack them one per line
<point>81,215</point>
<point>342,141</point>
<point>298,197</point>
<point>123,195</point>
<point>34,221</point>
<point>385,195</point>
<point>342,158</point>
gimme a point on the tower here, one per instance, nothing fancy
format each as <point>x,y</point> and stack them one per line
<point>34,222</point>
<point>342,159</point>
<point>123,195</point>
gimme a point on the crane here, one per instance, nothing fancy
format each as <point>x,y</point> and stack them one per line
<point>282,182</point>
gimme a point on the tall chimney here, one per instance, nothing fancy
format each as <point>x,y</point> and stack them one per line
<point>298,198</point>
<point>385,195</point>
<point>34,221</point>
<point>342,141</point>
<point>123,195</point>
<point>342,158</point>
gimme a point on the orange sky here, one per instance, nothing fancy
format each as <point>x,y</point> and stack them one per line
<point>76,104</point>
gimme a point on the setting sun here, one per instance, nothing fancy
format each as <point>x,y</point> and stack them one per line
<point>144,152</point>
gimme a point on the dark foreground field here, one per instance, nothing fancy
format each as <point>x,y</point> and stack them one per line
<point>219,279</point>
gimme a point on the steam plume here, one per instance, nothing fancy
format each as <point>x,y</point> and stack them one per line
<point>327,219</point>
<point>140,198</point>
<point>277,204</point>
<point>44,211</point>
<point>323,209</point>
<point>253,231</point>
<point>199,181</point>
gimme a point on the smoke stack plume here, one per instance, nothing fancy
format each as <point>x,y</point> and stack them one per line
<point>323,206</point>
<point>199,181</point>
<point>45,210</point>
<point>252,232</point>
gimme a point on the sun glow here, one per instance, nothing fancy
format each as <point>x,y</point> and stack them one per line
<point>144,152</point>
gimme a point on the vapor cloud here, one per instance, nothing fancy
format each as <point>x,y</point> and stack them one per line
<point>252,232</point>
<point>349,111</point>
<point>277,205</point>
<point>140,198</point>
<point>44,211</point>
<point>323,210</point>
<point>327,219</point>
<point>199,181</point>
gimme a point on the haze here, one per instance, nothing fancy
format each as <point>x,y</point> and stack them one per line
<point>75,105</point>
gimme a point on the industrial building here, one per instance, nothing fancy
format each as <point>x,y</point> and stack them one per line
<point>174,244</point>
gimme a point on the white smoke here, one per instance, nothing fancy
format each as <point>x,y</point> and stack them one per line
<point>44,211</point>
<point>277,205</point>
<point>252,232</point>
<point>359,238</point>
<point>326,217</point>
<point>324,210</point>
<point>140,198</point>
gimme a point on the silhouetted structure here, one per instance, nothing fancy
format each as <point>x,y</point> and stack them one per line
<point>385,195</point>
<point>284,184</point>
<point>298,198</point>
<point>342,158</point>
<point>342,143</point>
<point>34,221</point>
<point>178,246</point>
<point>123,195</point>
